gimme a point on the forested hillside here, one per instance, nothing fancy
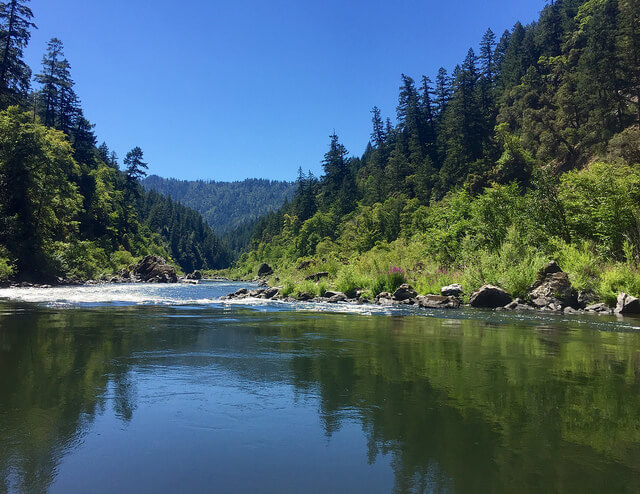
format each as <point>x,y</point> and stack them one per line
<point>66,209</point>
<point>527,150</point>
<point>225,205</point>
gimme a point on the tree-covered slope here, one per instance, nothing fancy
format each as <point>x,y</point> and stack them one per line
<point>66,208</point>
<point>225,205</point>
<point>528,151</point>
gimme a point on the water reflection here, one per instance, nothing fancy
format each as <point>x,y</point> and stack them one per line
<point>448,405</point>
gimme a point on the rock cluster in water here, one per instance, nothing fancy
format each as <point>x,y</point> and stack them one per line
<point>150,269</point>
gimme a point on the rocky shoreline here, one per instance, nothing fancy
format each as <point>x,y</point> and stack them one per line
<point>552,292</point>
<point>150,269</point>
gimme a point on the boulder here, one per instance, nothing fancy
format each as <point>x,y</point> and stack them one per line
<point>383,298</point>
<point>517,304</point>
<point>264,270</point>
<point>438,302</point>
<point>316,276</point>
<point>627,305</point>
<point>570,311</point>
<point>549,268</point>
<point>154,269</point>
<point>586,298</point>
<point>335,296</point>
<point>196,275</point>
<point>489,297</point>
<point>600,308</point>
<point>454,290</point>
<point>256,293</point>
<point>270,292</point>
<point>404,292</point>
<point>305,296</point>
<point>554,290</point>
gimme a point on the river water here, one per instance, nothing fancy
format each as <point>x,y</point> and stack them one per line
<point>164,388</point>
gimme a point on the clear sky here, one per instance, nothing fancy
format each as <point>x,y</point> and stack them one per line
<point>227,90</point>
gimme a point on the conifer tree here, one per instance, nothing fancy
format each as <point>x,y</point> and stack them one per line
<point>135,167</point>
<point>487,49</point>
<point>377,134</point>
<point>443,91</point>
<point>15,25</point>
<point>49,78</point>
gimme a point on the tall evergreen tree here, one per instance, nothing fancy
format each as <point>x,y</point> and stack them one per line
<point>443,91</point>
<point>49,78</point>
<point>15,26</point>
<point>135,167</point>
<point>487,54</point>
<point>377,134</point>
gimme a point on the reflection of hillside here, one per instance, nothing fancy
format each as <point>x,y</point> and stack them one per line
<point>493,407</point>
<point>456,404</point>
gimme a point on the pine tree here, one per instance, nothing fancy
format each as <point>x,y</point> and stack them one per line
<point>135,167</point>
<point>377,134</point>
<point>49,78</point>
<point>443,91</point>
<point>15,25</point>
<point>487,49</point>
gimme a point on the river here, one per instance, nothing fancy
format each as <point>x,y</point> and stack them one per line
<point>165,388</point>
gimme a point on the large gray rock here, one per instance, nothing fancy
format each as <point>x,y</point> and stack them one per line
<point>549,268</point>
<point>454,290</point>
<point>489,297</point>
<point>154,269</point>
<point>271,292</point>
<point>264,270</point>
<point>554,290</point>
<point>404,292</point>
<point>600,308</point>
<point>383,298</point>
<point>518,304</point>
<point>335,296</point>
<point>627,305</point>
<point>304,296</point>
<point>438,302</point>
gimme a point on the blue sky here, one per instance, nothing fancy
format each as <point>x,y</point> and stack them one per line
<point>227,90</point>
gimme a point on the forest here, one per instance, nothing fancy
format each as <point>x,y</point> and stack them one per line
<point>528,150</point>
<point>232,209</point>
<point>67,209</point>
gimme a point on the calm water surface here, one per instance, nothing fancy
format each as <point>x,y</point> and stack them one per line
<point>140,388</point>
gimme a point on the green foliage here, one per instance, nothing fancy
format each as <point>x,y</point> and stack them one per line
<point>225,206</point>
<point>513,266</point>
<point>81,260</point>
<point>6,269</point>
<point>619,278</point>
<point>603,205</point>
<point>388,281</point>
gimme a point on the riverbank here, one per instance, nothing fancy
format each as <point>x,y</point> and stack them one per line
<point>551,290</point>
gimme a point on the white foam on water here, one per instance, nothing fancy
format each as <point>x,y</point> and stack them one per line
<point>113,293</point>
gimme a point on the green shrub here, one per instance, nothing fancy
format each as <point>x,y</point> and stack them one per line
<point>121,259</point>
<point>618,278</point>
<point>6,269</point>
<point>349,282</point>
<point>580,262</point>
<point>513,267</point>
<point>81,260</point>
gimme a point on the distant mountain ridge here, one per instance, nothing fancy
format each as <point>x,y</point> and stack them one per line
<point>225,206</point>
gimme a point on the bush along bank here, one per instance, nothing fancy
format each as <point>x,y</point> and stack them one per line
<point>551,291</point>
